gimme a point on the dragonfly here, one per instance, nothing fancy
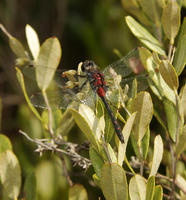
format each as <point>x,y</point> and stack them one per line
<point>128,68</point>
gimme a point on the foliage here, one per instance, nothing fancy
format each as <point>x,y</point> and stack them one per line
<point>132,170</point>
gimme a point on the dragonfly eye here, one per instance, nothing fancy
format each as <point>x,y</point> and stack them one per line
<point>87,64</point>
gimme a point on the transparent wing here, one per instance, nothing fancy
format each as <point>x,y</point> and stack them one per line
<point>129,67</point>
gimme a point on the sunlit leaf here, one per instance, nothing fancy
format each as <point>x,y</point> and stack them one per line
<point>171,20</point>
<point>142,104</point>
<point>10,174</point>
<point>114,182</point>
<point>137,188</point>
<point>96,160</point>
<point>77,192</point>
<point>21,82</point>
<point>5,143</point>
<point>157,155</point>
<point>150,188</point>
<point>33,41</point>
<point>111,153</point>
<point>88,123</point>
<point>126,133</point>
<point>180,181</point>
<point>144,36</point>
<point>49,55</point>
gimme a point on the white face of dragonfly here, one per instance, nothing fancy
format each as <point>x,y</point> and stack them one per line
<point>88,65</point>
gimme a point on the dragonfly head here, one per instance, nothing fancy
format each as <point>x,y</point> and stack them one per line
<point>88,65</point>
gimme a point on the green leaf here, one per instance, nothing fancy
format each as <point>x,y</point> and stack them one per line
<point>134,9</point>
<point>144,144</point>
<point>88,123</point>
<point>142,104</point>
<point>180,56</point>
<point>111,153</point>
<point>77,192</point>
<point>96,160</point>
<point>171,20</point>
<point>180,181</point>
<point>5,143</point>
<point>152,9</point>
<point>1,108</point>
<point>21,82</point>
<point>17,47</point>
<point>171,118</point>
<point>47,62</point>
<point>183,101</point>
<point>33,41</point>
<point>137,188</point>
<point>30,187</point>
<point>150,188</point>
<point>157,155</point>
<point>10,174</point>
<point>155,79</point>
<point>158,194</point>
<point>169,74</point>
<point>126,133</point>
<point>144,36</point>
<point>181,145</point>
<point>114,182</point>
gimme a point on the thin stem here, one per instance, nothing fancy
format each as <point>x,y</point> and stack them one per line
<point>5,31</point>
<point>66,172</point>
<point>170,52</point>
<point>49,114</point>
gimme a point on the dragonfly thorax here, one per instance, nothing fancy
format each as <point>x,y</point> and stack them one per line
<point>88,65</point>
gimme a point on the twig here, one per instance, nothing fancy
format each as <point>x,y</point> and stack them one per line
<point>49,114</point>
<point>170,52</point>
<point>5,31</point>
<point>45,145</point>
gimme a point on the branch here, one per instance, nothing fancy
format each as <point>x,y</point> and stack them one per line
<point>46,145</point>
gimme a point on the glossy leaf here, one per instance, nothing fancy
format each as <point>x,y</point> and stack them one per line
<point>181,145</point>
<point>30,187</point>
<point>17,47</point>
<point>171,20</point>
<point>169,74</point>
<point>49,55</point>
<point>137,188</point>
<point>157,155</point>
<point>5,143</point>
<point>21,82</point>
<point>77,192</point>
<point>150,188</point>
<point>96,160</point>
<point>158,194</point>
<point>10,174</point>
<point>33,41</point>
<point>144,36</point>
<point>126,133</point>
<point>142,104</point>
<point>88,123</point>
<point>180,56</point>
<point>114,182</point>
